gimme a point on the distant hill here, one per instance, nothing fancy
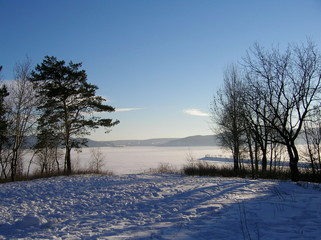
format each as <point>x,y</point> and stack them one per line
<point>198,140</point>
<point>148,142</point>
<point>207,140</point>
<point>137,143</point>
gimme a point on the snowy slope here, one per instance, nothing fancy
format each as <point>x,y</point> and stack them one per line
<point>158,206</point>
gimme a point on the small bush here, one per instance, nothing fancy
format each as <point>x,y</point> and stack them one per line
<point>163,168</point>
<point>92,171</point>
<point>202,168</point>
<point>97,160</point>
<point>206,169</point>
<point>308,176</point>
<point>38,174</point>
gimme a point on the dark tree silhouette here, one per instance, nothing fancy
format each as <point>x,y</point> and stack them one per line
<point>287,85</point>
<point>68,103</point>
<point>227,114</point>
<point>3,128</point>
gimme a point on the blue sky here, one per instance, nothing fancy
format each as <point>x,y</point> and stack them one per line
<point>158,62</point>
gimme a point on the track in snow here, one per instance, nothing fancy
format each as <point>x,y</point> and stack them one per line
<point>158,206</point>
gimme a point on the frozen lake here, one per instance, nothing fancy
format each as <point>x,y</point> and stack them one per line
<point>127,160</point>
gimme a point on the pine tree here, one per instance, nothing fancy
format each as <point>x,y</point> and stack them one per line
<point>3,127</point>
<point>68,103</point>
<point>3,111</point>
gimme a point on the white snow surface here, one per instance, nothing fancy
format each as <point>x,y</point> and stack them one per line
<point>159,206</point>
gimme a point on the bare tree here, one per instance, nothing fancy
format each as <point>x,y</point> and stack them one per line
<point>258,125</point>
<point>287,84</point>
<point>48,149</point>
<point>22,116</point>
<point>227,114</point>
<point>312,134</point>
<point>48,160</point>
<point>97,160</point>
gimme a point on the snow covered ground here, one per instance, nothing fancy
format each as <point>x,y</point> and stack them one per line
<point>159,206</point>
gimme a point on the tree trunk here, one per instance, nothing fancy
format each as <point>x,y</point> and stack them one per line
<point>294,159</point>
<point>14,161</point>
<point>264,160</point>
<point>68,160</point>
<point>13,169</point>
<point>252,159</point>
<point>2,163</point>
<point>236,154</point>
<point>319,159</point>
<point>57,160</point>
<point>256,157</point>
<point>67,141</point>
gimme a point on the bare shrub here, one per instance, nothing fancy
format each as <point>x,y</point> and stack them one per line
<point>164,168</point>
<point>48,160</point>
<point>97,162</point>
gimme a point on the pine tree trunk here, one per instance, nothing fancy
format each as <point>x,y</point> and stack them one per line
<point>13,167</point>
<point>68,160</point>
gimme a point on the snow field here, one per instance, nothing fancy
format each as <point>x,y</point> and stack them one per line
<point>158,206</point>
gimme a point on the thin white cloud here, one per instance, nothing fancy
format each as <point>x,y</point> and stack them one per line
<point>126,109</point>
<point>195,112</point>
